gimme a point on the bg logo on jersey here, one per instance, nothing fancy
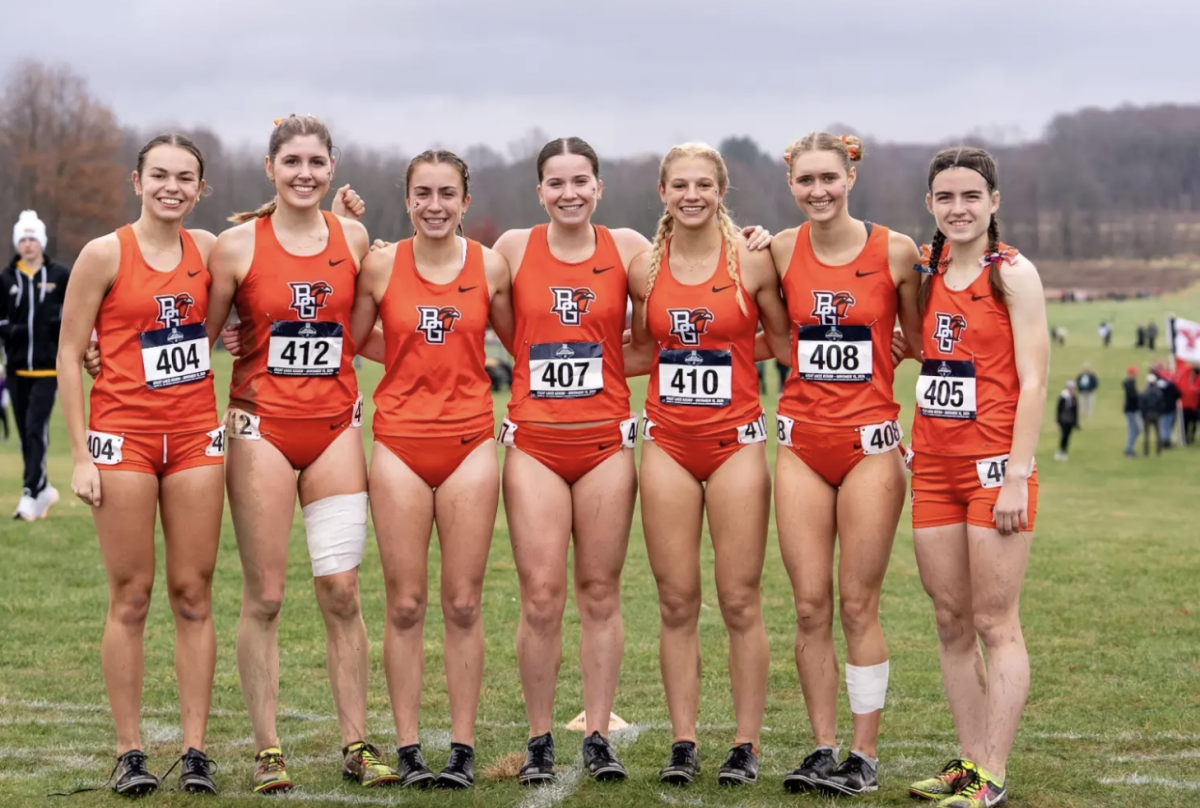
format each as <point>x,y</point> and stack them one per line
<point>174,309</point>
<point>436,322</point>
<point>571,304</point>
<point>307,298</point>
<point>949,331</point>
<point>689,324</point>
<point>830,308</point>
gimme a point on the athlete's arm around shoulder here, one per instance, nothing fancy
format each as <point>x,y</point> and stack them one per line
<point>639,351</point>
<point>356,238</point>
<point>228,262</point>
<point>903,255</point>
<point>762,284</point>
<point>630,244</point>
<point>374,274</point>
<point>511,245</point>
<point>782,247</point>
<point>500,310</point>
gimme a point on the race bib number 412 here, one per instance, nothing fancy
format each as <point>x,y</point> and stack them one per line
<point>304,349</point>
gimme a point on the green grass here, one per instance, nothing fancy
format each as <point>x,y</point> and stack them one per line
<point>1109,608</point>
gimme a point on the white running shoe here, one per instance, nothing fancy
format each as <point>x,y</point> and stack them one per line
<point>27,509</point>
<point>44,500</point>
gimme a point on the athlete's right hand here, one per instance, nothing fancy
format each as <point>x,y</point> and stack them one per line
<point>347,202</point>
<point>85,483</point>
<point>380,244</point>
<point>91,359</point>
<point>899,347</point>
<point>231,336</point>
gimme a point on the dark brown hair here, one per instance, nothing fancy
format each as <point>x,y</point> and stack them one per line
<point>567,145</point>
<point>170,139</point>
<point>436,156</point>
<point>286,129</point>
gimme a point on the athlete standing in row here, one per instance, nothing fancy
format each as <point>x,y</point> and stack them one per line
<point>980,399</point>
<point>434,456</point>
<point>294,407</point>
<point>145,289</point>
<point>841,477</point>
<point>698,296</point>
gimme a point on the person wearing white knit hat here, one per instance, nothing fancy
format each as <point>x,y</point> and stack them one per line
<point>32,288</point>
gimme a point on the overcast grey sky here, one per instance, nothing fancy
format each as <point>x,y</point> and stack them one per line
<point>627,75</point>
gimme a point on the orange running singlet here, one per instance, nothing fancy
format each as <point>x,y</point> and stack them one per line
<point>150,328</point>
<point>297,352</point>
<point>703,372</point>
<point>435,383</point>
<point>569,366</point>
<point>842,319</point>
<point>968,388</point>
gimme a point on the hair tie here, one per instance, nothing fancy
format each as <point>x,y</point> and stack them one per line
<point>787,157</point>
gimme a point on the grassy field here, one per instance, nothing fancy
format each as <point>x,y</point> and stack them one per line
<point>1110,610</point>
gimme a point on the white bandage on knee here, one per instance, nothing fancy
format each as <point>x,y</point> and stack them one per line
<point>867,687</point>
<point>337,532</point>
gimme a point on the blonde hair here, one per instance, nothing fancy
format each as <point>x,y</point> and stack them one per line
<point>666,224</point>
<point>285,129</point>
<point>848,147</point>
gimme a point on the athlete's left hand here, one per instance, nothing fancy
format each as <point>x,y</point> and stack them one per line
<point>757,238</point>
<point>91,359</point>
<point>899,347</point>
<point>1011,511</point>
<point>379,244</point>
<point>347,202</point>
<point>627,336</point>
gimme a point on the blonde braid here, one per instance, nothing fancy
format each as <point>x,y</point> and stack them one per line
<point>732,263</point>
<point>666,225</point>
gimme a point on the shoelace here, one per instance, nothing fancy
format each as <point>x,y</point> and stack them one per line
<point>192,764</point>
<point>681,755</point>
<point>540,754</point>
<point>369,755</point>
<point>973,787</point>
<point>739,758</point>
<point>135,761</point>
<point>413,758</point>
<point>954,770</point>
<point>601,751</point>
<point>458,758</point>
<point>812,759</point>
<point>271,762</point>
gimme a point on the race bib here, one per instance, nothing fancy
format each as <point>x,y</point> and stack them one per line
<point>828,353</point>
<point>216,443</point>
<point>695,378</point>
<point>507,430</point>
<point>242,425</point>
<point>566,369</point>
<point>647,425</point>
<point>783,429</point>
<point>177,355</point>
<point>304,349</point>
<point>356,419</point>
<point>946,389</point>
<point>880,438</point>
<point>991,471</point>
<point>753,432</point>
<point>629,430</point>
<point>105,449</point>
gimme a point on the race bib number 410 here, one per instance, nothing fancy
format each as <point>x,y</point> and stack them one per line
<point>828,353</point>
<point>566,369</point>
<point>304,349</point>
<point>695,378</point>
<point>177,355</point>
<point>946,389</point>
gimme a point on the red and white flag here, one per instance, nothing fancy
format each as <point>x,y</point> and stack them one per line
<point>1185,340</point>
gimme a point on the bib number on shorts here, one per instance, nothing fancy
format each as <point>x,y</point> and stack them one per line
<point>507,430</point>
<point>243,426</point>
<point>695,378</point>
<point>827,353</point>
<point>356,419</point>
<point>880,438</point>
<point>753,432</point>
<point>566,370</point>
<point>177,355</point>
<point>105,449</point>
<point>946,389</point>
<point>304,349</point>
<point>647,425</point>
<point>783,429</point>
<point>216,442</point>
<point>629,430</point>
<point>991,471</point>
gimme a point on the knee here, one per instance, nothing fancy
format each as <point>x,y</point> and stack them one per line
<point>741,609</point>
<point>813,615</point>
<point>954,626</point>
<point>679,609</point>
<point>129,603</point>
<point>262,603</point>
<point>461,610</point>
<point>339,600</point>
<point>599,600</point>
<point>406,611</point>
<point>192,601</point>
<point>996,628</point>
<point>543,608</point>
<point>859,614</point>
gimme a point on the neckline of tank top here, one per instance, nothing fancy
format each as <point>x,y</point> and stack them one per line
<point>982,273</point>
<point>711,276</point>
<point>412,252</point>
<point>137,245</point>
<point>591,257</point>
<point>870,226</point>
<point>289,253</point>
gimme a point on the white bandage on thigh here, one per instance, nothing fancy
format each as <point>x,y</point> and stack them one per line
<point>337,532</point>
<point>867,687</point>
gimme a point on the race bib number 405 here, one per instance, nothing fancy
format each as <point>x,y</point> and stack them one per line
<point>946,389</point>
<point>177,355</point>
<point>829,353</point>
<point>695,378</point>
<point>566,369</point>
<point>304,349</point>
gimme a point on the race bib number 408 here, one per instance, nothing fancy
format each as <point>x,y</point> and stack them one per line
<point>177,355</point>
<point>304,349</point>
<point>946,389</point>
<point>566,369</point>
<point>829,353</point>
<point>695,378</point>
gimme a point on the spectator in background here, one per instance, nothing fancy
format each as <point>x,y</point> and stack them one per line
<point>1151,334</point>
<point>1141,336</point>
<point>1086,383</point>
<point>1170,400</point>
<point>1105,332</point>
<point>1068,418</point>
<point>1150,403</point>
<point>4,401</point>
<point>1132,411</point>
<point>1188,382</point>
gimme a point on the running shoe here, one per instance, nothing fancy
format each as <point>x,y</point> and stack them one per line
<point>460,768</point>
<point>44,500</point>
<point>951,780</point>
<point>412,768</point>
<point>27,509</point>
<point>360,761</point>
<point>684,766</point>
<point>133,780</point>
<point>982,791</point>
<point>270,773</point>
<point>740,766</point>
<point>854,776</point>
<point>599,760</point>
<point>813,771</point>
<point>539,761</point>
<point>196,776</point>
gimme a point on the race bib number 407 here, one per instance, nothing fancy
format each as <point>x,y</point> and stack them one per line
<point>566,369</point>
<point>946,389</point>
<point>304,349</point>
<point>829,353</point>
<point>177,355</point>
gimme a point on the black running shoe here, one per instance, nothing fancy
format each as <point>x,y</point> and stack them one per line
<point>197,773</point>
<point>740,766</point>
<point>411,767</point>
<point>815,768</point>
<point>539,761</point>
<point>684,766</point>
<point>599,760</point>
<point>132,778</point>
<point>853,777</point>
<point>460,768</point>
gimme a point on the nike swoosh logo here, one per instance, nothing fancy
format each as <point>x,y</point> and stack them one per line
<point>858,447</point>
<point>600,271</point>
<point>858,274</point>
<point>604,446</point>
<point>333,263</point>
<point>467,439</point>
<point>194,274</point>
<point>468,288</point>
<point>721,289</point>
<point>725,443</point>
<point>979,297</point>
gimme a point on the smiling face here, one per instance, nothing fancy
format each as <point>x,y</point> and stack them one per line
<point>436,199</point>
<point>569,189</point>
<point>169,182</point>
<point>692,188</point>
<point>301,170</point>
<point>820,183</point>
<point>962,204</point>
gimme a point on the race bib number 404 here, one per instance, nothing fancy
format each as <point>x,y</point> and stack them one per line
<point>695,378</point>
<point>946,389</point>
<point>566,369</point>
<point>304,349</point>
<point>829,353</point>
<point>178,355</point>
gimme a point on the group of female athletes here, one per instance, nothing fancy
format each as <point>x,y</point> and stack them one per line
<point>708,301</point>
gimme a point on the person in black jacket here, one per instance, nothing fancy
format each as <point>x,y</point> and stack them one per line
<point>1132,411</point>
<point>1067,417</point>
<point>32,288</point>
<point>1150,402</point>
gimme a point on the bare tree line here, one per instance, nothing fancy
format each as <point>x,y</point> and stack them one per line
<point>1121,183</point>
